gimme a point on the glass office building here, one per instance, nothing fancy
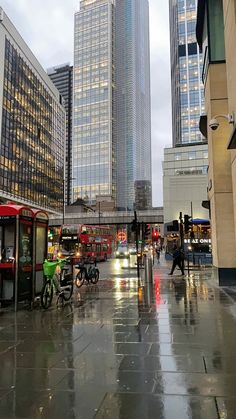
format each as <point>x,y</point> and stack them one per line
<point>32,126</point>
<point>112,122</point>
<point>94,83</point>
<point>133,105</point>
<point>62,78</point>
<point>186,69</point>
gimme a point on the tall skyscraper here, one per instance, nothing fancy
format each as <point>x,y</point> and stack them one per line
<point>186,68</point>
<point>62,78</point>
<point>112,139</point>
<point>133,108</point>
<point>94,85</point>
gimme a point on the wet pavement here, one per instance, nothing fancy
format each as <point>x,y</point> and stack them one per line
<point>122,350</point>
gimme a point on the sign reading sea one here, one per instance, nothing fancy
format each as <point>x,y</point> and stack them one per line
<point>197,241</point>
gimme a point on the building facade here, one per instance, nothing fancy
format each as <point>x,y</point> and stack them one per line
<point>32,126</point>
<point>186,66</point>
<point>133,104</point>
<point>216,35</point>
<point>185,165</point>
<point>94,159</point>
<point>62,78</point>
<point>185,181</point>
<point>143,195</point>
<point>111,135</point>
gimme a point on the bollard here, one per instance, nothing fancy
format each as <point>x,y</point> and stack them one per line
<point>148,274</point>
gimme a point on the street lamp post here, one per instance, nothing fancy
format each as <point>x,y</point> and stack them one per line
<point>99,212</point>
<point>63,210</point>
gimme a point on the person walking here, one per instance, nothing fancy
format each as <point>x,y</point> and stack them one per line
<point>177,260</point>
<point>158,253</point>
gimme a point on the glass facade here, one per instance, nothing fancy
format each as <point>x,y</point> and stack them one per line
<point>93,148</point>
<point>186,69</point>
<point>213,39</point>
<point>62,78</point>
<point>112,116</point>
<point>133,108</point>
<point>32,136</point>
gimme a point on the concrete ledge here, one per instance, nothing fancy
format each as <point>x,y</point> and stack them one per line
<point>227,276</point>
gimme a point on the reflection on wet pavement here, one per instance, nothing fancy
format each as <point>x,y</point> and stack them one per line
<point>123,350</point>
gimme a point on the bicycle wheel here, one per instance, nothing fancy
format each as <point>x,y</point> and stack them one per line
<point>47,294</point>
<point>79,279</point>
<point>95,277</point>
<point>68,291</point>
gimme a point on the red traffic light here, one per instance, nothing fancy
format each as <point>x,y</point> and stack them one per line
<point>155,234</point>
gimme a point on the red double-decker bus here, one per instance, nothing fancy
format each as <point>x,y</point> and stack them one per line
<point>87,241</point>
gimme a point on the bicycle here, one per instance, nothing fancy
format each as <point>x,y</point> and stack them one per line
<point>62,282</point>
<point>90,275</point>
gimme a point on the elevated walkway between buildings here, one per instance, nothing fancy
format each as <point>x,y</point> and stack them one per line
<point>108,218</point>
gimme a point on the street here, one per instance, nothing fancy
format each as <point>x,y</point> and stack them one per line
<point>123,350</point>
<point>118,268</point>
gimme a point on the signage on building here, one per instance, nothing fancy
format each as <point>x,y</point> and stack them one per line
<point>7,217</point>
<point>197,241</point>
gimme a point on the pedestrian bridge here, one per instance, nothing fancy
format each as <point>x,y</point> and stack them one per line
<point>154,216</point>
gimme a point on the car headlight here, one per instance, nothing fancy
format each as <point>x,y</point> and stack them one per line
<point>117,253</point>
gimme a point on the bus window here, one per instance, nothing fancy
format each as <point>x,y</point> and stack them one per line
<point>94,247</point>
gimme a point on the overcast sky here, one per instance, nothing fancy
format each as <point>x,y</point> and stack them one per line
<point>47,27</point>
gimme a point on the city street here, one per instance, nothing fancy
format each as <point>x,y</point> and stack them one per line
<point>122,350</point>
<point>118,268</point>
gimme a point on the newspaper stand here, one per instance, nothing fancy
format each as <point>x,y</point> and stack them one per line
<point>23,244</point>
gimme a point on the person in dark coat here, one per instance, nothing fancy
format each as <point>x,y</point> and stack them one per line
<point>158,253</point>
<point>177,260</point>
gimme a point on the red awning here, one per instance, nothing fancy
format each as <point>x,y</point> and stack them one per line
<point>12,209</point>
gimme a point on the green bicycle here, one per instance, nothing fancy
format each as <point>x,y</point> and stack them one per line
<point>62,281</point>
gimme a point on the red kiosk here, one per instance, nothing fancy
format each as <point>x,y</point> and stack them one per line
<point>23,248</point>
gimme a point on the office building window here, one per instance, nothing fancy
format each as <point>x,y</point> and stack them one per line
<point>216,31</point>
<point>192,155</point>
<point>178,156</point>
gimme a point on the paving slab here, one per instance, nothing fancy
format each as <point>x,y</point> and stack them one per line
<point>167,350</point>
<point>140,406</point>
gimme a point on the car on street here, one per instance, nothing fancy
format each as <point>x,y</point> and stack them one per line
<point>122,252</point>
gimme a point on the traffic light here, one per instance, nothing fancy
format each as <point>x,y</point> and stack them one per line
<point>134,226</point>
<point>147,231</point>
<point>155,235</point>
<point>50,233</point>
<point>187,223</point>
